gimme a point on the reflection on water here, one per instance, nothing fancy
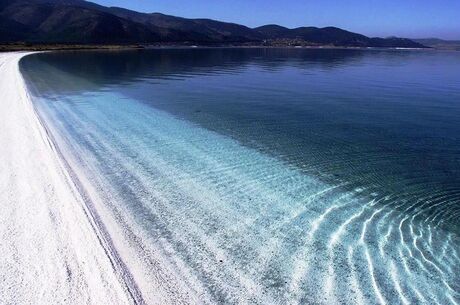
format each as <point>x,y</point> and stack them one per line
<point>318,176</point>
<point>121,67</point>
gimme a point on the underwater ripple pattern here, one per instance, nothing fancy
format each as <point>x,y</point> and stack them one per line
<point>245,227</point>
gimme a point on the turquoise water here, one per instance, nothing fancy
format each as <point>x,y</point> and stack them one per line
<point>273,175</point>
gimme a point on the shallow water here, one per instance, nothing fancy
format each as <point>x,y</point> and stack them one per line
<point>274,175</point>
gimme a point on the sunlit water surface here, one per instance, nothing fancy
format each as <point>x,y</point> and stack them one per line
<point>274,175</point>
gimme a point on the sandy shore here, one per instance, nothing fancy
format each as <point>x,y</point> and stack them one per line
<point>50,249</point>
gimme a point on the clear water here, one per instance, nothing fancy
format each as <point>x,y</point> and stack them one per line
<point>274,175</point>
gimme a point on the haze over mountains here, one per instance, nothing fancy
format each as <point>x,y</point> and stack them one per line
<point>82,22</point>
<point>440,43</point>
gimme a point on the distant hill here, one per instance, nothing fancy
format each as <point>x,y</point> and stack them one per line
<point>78,21</point>
<point>54,23</point>
<point>328,35</point>
<point>333,36</point>
<point>440,43</point>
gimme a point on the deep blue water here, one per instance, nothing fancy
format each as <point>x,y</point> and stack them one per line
<point>274,175</point>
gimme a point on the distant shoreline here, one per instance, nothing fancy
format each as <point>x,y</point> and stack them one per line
<point>74,47</point>
<point>61,47</point>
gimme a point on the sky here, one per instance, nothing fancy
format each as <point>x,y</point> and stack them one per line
<point>404,18</point>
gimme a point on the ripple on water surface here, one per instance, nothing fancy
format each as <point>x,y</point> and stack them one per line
<point>247,221</point>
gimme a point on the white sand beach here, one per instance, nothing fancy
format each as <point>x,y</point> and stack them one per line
<point>50,249</point>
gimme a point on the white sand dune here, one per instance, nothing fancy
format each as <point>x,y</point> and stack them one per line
<point>50,250</point>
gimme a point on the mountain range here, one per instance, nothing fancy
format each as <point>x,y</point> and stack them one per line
<point>83,22</point>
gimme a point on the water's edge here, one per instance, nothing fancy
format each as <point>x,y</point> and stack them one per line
<point>93,217</point>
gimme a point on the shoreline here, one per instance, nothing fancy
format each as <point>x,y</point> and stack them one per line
<point>94,218</point>
<point>156,217</point>
<point>48,216</point>
<point>141,277</point>
<point>4,48</point>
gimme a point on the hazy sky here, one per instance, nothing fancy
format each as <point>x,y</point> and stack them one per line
<point>408,18</point>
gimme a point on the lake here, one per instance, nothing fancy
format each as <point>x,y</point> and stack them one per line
<point>269,176</point>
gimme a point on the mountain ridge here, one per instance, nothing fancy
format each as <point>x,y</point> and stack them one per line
<point>79,21</point>
<point>441,44</point>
